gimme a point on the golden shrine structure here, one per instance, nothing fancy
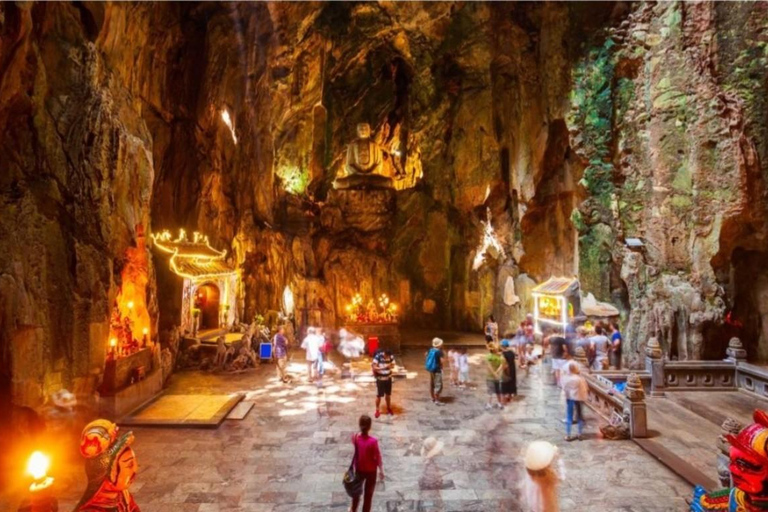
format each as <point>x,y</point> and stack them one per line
<point>210,283</point>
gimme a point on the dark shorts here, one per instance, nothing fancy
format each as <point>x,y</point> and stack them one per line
<point>494,387</point>
<point>383,387</point>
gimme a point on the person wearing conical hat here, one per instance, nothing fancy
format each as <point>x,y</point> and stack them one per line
<point>110,465</point>
<point>542,478</point>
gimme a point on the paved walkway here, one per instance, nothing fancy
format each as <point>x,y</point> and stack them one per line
<point>423,338</point>
<point>289,453</point>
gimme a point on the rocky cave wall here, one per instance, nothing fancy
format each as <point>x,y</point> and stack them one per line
<point>570,126</point>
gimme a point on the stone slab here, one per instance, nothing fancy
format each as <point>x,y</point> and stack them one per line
<point>184,411</point>
<point>240,411</point>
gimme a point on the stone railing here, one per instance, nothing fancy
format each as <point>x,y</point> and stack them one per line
<point>699,376</point>
<point>630,405</point>
<point>616,376</point>
<point>691,375</point>
<point>752,378</point>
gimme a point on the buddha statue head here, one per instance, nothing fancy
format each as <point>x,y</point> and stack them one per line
<point>749,457</point>
<point>363,131</point>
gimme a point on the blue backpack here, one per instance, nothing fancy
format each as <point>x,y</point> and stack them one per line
<point>433,360</point>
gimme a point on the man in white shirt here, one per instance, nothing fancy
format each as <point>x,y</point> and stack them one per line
<point>312,346</point>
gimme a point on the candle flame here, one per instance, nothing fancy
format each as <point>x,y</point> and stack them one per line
<point>130,304</point>
<point>113,342</point>
<point>38,465</point>
<point>145,331</point>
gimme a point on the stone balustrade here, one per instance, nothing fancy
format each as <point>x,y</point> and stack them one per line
<point>699,375</point>
<point>752,378</point>
<point>630,405</point>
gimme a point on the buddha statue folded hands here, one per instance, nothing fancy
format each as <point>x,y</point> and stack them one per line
<point>364,165</point>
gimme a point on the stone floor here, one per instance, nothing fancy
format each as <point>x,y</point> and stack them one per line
<point>687,423</point>
<point>289,453</point>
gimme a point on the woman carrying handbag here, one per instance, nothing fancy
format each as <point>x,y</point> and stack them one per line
<point>360,479</point>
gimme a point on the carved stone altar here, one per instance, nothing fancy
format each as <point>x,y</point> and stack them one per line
<point>388,334</point>
<point>130,382</point>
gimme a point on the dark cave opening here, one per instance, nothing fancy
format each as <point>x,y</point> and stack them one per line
<point>749,276</point>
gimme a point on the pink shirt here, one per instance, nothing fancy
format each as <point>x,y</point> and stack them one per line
<point>368,455</point>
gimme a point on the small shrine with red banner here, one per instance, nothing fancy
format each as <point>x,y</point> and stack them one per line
<point>375,321</point>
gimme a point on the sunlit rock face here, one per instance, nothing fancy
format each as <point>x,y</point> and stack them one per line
<point>573,126</point>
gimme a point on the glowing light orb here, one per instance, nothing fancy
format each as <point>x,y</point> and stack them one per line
<point>130,304</point>
<point>113,342</point>
<point>38,465</point>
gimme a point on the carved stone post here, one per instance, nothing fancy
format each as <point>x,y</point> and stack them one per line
<point>735,351</point>
<point>635,403</point>
<point>654,364</point>
<point>729,426</point>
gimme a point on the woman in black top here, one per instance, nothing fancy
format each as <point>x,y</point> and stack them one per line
<point>509,380</point>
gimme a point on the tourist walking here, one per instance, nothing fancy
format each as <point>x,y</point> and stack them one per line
<point>509,377</point>
<point>576,391</point>
<point>491,330</point>
<point>453,363</point>
<point>281,353</point>
<point>495,366</point>
<point>463,368</point>
<point>600,345</point>
<point>383,365</point>
<point>530,358</point>
<point>542,478</point>
<point>559,352</point>
<point>312,347</point>
<point>367,461</point>
<point>434,365</point>
<point>616,343</point>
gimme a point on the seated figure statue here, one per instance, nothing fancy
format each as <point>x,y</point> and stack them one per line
<point>111,467</point>
<point>749,469</point>
<point>364,165</point>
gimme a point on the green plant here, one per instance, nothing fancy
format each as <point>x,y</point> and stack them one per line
<point>295,180</point>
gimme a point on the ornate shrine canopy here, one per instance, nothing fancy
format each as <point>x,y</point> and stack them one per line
<point>193,259</point>
<point>556,286</point>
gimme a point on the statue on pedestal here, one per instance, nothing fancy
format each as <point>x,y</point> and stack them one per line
<point>749,471</point>
<point>110,465</point>
<point>364,165</point>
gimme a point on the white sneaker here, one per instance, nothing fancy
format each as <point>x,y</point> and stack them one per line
<point>488,407</point>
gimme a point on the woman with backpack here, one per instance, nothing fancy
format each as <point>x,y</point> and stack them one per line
<point>434,365</point>
<point>367,460</point>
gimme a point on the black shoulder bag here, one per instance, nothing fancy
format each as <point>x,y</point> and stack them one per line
<point>353,484</point>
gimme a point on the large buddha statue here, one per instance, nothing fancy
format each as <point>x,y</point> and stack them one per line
<point>364,166</point>
<point>749,470</point>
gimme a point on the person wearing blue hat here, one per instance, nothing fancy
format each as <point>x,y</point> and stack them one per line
<point>509,378</point>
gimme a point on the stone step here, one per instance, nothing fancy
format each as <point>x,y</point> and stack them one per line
<point>682,468</point>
